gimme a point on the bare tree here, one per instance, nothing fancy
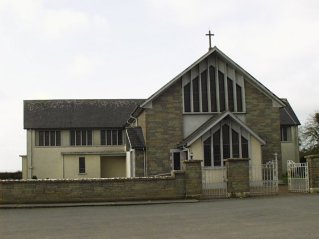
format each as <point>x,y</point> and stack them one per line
<point>310,134</point>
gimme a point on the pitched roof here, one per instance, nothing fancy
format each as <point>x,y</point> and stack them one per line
<point>249,77</point>
<point>211,122</point>
<point>110,113</point>
<point>287,115</point>
<point>136,139</point>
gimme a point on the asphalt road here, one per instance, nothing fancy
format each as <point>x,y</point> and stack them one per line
<point>274,217</point>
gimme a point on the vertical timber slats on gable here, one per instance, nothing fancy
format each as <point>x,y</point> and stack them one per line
<point>264,119</point>
<point>163,128</point>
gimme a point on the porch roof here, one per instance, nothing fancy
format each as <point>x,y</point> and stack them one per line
<point>211,122</point>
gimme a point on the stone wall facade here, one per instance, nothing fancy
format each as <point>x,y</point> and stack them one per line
<point>164,129</point>
<point>176,186</point>
<point>313,166</point>
<point>264,119</point>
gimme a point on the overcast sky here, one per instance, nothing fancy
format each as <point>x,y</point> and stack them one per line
<point>99,49</point>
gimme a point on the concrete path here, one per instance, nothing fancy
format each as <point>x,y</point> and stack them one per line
<point>294,216</point>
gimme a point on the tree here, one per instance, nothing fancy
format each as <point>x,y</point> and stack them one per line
<point>310,135</point>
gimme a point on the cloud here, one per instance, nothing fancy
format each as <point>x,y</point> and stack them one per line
<point>32,16</point>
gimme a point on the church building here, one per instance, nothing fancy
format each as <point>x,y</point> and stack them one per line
<point>212,111</point>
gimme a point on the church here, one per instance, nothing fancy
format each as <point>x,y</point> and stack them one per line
<point>212,111</point>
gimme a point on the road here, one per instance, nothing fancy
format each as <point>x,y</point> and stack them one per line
<point>274,217</point>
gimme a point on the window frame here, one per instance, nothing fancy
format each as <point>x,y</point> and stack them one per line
<point>48,138</point>
<point>77,137</point>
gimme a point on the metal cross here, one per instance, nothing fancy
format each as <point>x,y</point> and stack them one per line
<point>210,39</point>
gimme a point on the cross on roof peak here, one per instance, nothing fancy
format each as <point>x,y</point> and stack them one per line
<point>210,39</point>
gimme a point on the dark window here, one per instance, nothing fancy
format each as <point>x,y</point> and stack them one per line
<point>84,139</point>
<point>244,147</point>
<point>114,137</point>
<point>230,88</point>
<point>41,138</point>
<point>177,161</point>
<point>187,97</point>
<point>239,98</point>
<point>196,94</point>
<point>235,143</point>
<point>221,91</point>
<point>120,137</point>
<point>216,148</point>
<point>204,91</point>
<point>226,142</point>
<point>72,136</point>
<point>213,98</point>
<point>58,138</point>
<point>46,138</point>
<point>109,137</point>
<point>78,137</point>
<point>207,152</point>
<point>49,138</point>
<point>103,138</point>
<point>81,137</point>
<point>81,165</point>
<point>89,137</point>
<point>285,133</point>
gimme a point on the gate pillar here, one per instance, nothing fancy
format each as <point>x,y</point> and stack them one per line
<point>237,170</point>
<point>313,166</point>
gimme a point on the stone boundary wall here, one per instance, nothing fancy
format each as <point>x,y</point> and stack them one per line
<point>313,166</point>
<point>176,186</point>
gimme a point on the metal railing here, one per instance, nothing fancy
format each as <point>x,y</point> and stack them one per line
<point>298,177</point>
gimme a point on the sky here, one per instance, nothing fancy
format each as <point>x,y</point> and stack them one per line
<point>104,49</point>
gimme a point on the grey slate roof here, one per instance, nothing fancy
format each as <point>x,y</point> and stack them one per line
<point>287,115</point>
<point>60,114</point>
<point>136,138</point>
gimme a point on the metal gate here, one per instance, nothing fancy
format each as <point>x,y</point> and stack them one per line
<point>298,177</point>
<point>214,182</point>
<point>264,178</point>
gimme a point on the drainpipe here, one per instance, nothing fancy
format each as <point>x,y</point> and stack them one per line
<point>145,163</point>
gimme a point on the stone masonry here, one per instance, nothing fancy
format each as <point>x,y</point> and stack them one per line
<point>237,177</point>
<point>163,129</point>
<point>264,119</point>
<point>180,185</point>
<point>313,166</point>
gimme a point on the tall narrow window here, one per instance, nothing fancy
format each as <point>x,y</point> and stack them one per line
<point>187,97</point>
<point>226,142</point>
<point>108,137</point>
<point>41,138</point>
<point>230,88</point>
<point>103,137</point>
<point>196,94</point>
<point>285,133</point>
<point>82,165</point>
<point>235,144</point>
<point>221,91</point>
<point>78,137</point>
<point>47,138</point>
<point>213,97</point>
<point>120,137</point>
<point>72,137</point>
<point>89,137</point>
<point>177,161</point>
<point>204,91</point>
<point>84,139</point>
<point>114,137</point>
<point>216,148</point>
<point>244,147</point>
<point>207,153</point>
<point>58,138</point>
<point>239,98</point>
